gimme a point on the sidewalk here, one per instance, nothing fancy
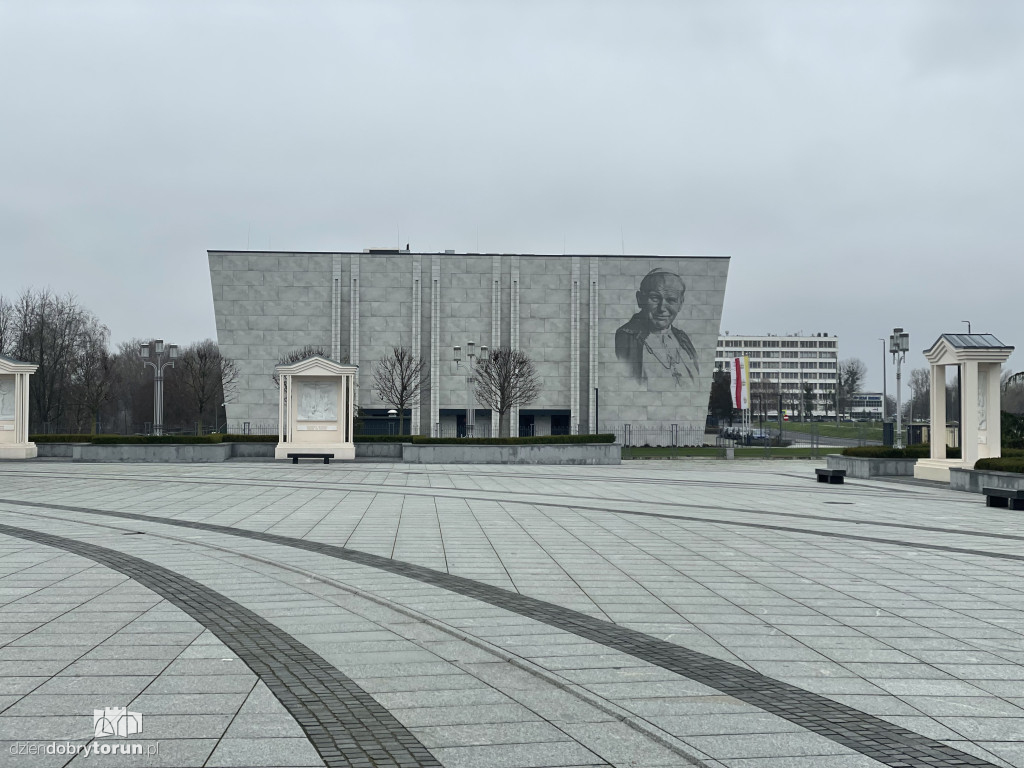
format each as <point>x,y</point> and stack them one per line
<point>658,614</point>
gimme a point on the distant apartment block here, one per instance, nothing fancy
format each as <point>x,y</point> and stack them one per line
<point>866,405</point>
<point>793,369</point>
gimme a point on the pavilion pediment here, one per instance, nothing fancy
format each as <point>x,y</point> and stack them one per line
<point>956,348</point>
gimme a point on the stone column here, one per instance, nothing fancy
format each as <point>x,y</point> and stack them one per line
<point>938,412</point>
<point>988,405</point>
<point>280,407</point>
<point>969,413</point>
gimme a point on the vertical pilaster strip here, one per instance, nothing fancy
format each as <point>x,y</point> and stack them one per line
<point>435,340</point>
<point>593,335</point>
<point>417,342</point>
<point>280,407</point>
<point>351,437</point>
<point>19,407</point>
<point>353,328</point>
<point>495,321</point>
<point>574,348</point>
<point>514,335</point>
<point>336,308</point>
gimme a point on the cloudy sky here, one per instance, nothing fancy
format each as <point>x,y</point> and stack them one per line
<point>859,161</point>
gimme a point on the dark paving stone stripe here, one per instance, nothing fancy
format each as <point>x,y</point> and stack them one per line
<point>859,731</point>
<point>426,493</point>
<point>342,721</point>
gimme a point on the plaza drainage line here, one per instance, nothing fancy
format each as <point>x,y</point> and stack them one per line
<point>871,736</point>
<point>346,726</point>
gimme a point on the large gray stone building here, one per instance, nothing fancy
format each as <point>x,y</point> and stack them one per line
<point>617,340</point>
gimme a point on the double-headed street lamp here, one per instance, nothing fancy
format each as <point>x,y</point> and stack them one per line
<point>885,386</point>
<point>470,380</point>
<point>158,357</point>
<point>899,344</point>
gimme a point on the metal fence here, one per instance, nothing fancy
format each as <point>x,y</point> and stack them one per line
<point>809,438</point>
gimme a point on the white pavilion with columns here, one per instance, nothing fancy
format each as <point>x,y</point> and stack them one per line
<point>980,357</point>
<point>14,442</point>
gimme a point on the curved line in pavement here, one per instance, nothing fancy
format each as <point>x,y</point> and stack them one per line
<point>343,722</point>
<point>869,735</point>
<point>426,493</point>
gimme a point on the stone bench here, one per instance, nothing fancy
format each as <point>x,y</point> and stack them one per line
<point>833,476</point>
<point>325,456</point>
<point>1004,497</point>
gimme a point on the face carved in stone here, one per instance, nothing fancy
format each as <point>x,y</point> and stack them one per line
<point>660,298</point>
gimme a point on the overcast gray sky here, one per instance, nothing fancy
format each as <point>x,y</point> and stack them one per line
<point>859,161</point>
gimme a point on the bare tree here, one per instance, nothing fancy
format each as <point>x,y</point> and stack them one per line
<point>132,390</point>
<point>48,331</point>
<point>849,380</point>
<point>298,355</point>
<point>91,376</point>
<point>7,330</point>
<point>399,379</point>
<point>1012,386</point>
<point>506,379</point>
<point>764,396</point>
<point>920,392</point>
<point>205,377</point>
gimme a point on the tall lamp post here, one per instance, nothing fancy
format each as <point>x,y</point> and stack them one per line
<point>885,386</point>
<point>899,344</point>
<point>154,354</point>
<point>470,380</point>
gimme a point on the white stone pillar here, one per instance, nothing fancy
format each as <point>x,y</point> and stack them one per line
<point>350,389</point>
<point>990,438</point>
<point>280,408</point>
<point>969,411</point>
<point>938,412</point>
<point>24,407</point>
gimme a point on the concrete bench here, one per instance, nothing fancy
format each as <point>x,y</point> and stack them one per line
<point>1004,497</point>
<point>325,456</point>
<point>834,476</point>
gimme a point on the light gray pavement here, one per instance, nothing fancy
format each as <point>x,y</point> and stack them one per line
<point>903,602</point>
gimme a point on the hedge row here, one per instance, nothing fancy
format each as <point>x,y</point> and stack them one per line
<point>232,438</point>
<point>249,438</point>
<point>541,440</point>
<point>62,438</point>
<point>154,439</point>
<point>1002,464</point>
<point>920,451</point>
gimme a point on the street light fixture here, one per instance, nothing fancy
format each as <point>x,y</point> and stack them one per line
<point>158,360</point>
<point>885,388</point>
<point>899,345</point>
<point>470,356</point>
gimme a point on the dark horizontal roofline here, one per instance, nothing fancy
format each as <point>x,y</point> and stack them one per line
<point>467,253</point>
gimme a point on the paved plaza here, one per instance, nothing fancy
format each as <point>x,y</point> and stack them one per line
<point>681,613</point>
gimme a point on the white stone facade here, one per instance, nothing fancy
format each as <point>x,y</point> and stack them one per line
<point>563,311</point>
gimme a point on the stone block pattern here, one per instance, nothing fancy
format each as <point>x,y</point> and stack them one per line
<point>268,304</point>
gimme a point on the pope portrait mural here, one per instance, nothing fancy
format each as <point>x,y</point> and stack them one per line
<point>655,351</point>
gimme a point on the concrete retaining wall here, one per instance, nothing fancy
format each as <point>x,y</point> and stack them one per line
<point>603,453</point>
<point>856,466</point>
<point>141,452</point>
<point>387,451</point>
<point>577,453</point>
<point>973,480</point>
<point>56,450</point>
<point>252,450</point>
